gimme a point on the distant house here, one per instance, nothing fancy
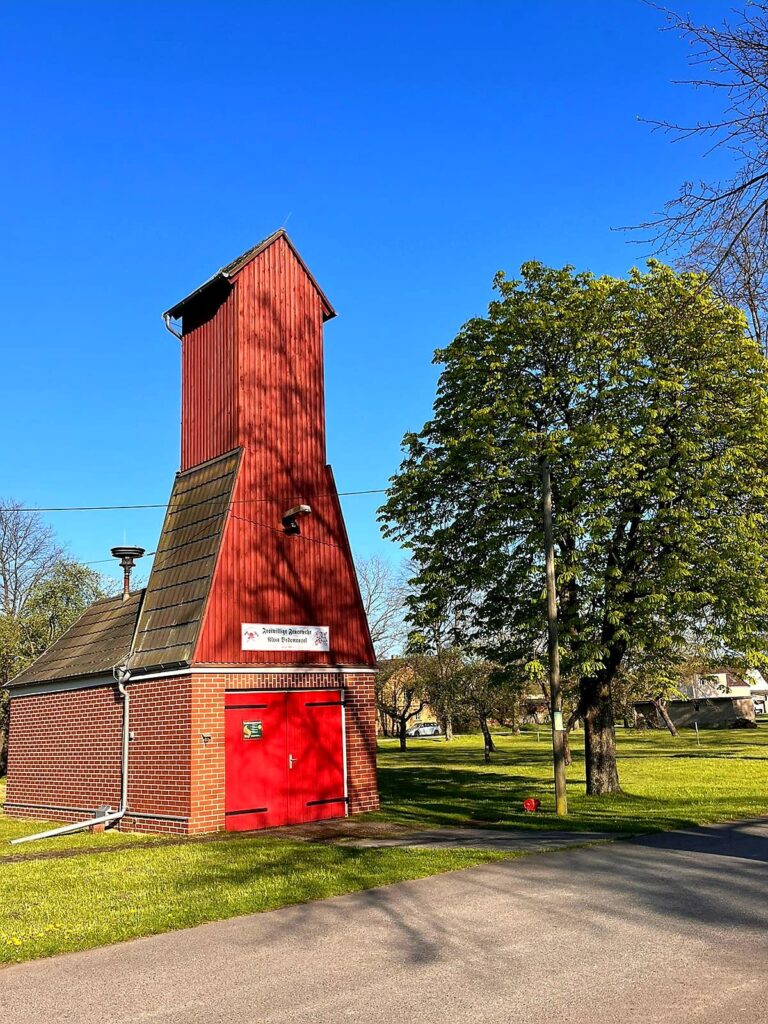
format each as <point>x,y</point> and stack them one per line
<point>723,697</point>
<point>706,712</point>
<point>398,692</point>
<point>727,682</point>
<point>759,689</point>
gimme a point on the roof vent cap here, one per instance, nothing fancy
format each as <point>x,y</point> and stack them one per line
<point>127,556</point>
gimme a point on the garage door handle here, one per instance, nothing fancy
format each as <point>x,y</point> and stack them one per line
<point>291,760</point>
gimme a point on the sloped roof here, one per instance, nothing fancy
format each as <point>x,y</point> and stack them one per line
<point>156,627</point>
<point>233,268</point>
<point>94,644</point>
<point>184,563</point>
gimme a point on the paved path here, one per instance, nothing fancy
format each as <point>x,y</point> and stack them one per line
<point>348,832</point>
<point>669,928</point>
<point>519,840</point>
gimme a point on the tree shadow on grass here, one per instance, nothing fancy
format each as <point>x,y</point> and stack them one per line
<point>418,794</point>
<point>435,794</point>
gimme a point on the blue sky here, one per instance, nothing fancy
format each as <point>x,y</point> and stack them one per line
<point>411,150</point>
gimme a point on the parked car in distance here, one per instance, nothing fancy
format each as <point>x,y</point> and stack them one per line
<point>424,729</point>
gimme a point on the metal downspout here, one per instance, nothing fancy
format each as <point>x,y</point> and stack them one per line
<point>122,676</point>
<point>169,326</point>
<point>122,690</point>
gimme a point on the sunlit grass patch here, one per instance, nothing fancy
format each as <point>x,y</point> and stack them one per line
<point>54,906</point>
<point>666,782</point>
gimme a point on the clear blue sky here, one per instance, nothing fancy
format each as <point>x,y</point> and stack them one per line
<point>411,149</point>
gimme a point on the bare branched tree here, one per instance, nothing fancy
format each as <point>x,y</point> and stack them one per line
<point>383,590</point>
<point>721,226</point>
<point>741,279</point>
<point>400,694</point>
<point>28,555</point>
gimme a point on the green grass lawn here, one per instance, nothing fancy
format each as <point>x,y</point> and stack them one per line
<point>75,902</point>
<point>53,906</point>
<point>667,782</point>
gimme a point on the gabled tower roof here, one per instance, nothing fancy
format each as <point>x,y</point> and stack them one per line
<point>178,587</point>
<point>232,269</point>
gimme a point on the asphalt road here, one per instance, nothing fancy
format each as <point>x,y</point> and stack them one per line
<point>672,928</point>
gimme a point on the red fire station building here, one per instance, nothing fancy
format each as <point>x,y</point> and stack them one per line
<point>236,690</point>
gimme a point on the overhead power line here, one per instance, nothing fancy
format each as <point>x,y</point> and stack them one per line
<point>168,504</point>
<point>103,561</point>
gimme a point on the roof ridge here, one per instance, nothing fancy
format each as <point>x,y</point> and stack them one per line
<point>115,597</point>
<point>236,265</point>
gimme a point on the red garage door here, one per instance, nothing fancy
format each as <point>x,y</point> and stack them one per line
<point>284,758</point>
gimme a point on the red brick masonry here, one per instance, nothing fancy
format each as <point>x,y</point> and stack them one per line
<point>64,748</point>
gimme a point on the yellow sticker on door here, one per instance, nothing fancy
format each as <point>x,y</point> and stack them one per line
<point>251,730</point>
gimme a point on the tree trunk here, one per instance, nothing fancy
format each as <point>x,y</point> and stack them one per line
<point>488,745</point>
<point>448,728</point>
<point>602,774</point>
<point>661,707</point>
<point>630,720</point>
<point>515,722</point>
<point>401,733</point>
<point>570,725</point>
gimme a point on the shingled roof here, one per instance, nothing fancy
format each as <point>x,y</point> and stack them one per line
<point>156,627</point>
<point>184,563</point>
<point>98,640</point>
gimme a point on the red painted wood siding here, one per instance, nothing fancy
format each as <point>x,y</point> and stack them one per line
<point>264,575</point>
<point>209,399</point>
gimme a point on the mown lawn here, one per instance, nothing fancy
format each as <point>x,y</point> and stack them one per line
<point>75,902</point>
<point>54,906</point>
<point>667,782</point>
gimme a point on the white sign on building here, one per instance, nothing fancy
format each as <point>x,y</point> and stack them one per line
<point>260,636</point>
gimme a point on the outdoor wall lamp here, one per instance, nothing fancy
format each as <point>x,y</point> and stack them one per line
<point>290,525</point>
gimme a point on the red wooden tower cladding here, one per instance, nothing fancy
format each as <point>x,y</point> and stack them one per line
<point>252,378</point>
<point>247,657</point>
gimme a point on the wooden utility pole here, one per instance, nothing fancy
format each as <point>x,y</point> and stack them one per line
<point>555,696</point>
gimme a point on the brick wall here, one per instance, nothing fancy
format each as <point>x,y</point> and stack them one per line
<point>160,756</point>
<point>64,750</point>
<point>361,742</point>
<point>64,753</point>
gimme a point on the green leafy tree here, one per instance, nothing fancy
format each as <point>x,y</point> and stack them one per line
<point>461,685</point>
<point>650,404</point>
<point>489,693</point>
